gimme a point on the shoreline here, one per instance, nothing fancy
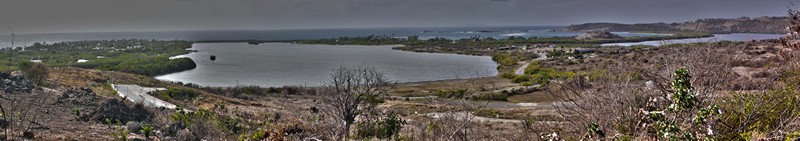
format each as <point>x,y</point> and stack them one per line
<point>398,47</point>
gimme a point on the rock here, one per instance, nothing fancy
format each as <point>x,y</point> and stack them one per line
<point>134,127</point>
<point>4,123</point>
<point>27,135</point>
<point>173,129</point>
<point>118,110</point>
<point>82,96</point>
<point>15,74</point>
<point>186,135</point>
<point>292,130</point>
<point>169,139</point>
<point>15,83</point>
<point>597,35</point>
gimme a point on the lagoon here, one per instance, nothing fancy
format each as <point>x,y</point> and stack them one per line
<point>286,64</point>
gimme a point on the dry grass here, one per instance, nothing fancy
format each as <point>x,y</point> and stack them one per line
<point>427,88</point>
<point>533,97</point>
<point>616,100</point>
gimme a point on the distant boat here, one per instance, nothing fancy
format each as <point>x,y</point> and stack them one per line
<point>213,58</point>
<point>253,43</point>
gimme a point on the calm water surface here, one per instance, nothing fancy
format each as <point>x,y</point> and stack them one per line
<point>284,64</point>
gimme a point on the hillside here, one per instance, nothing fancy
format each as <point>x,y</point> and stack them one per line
<point>739,25</point>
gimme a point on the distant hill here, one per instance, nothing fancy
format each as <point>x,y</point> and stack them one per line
<point>739,25</point>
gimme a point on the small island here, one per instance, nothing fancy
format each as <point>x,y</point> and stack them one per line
<point>595,35</point>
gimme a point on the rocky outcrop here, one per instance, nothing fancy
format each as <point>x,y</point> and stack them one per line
<point>591,35</point>
<point>15,84</point>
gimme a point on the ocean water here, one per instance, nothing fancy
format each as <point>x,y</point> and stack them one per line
<point>424,33</point>
<point>285,64</point>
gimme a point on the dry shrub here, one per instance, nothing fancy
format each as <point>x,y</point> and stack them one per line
<point>621,102</point>
<point>762,108</point>
<point>457,124</point>
<point>616,107</point>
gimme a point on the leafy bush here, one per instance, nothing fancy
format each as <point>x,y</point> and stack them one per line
<point>557,53</point>
<point>206,118</point>
<point>77,112</point>
<point>750,114</point>
<point>386,128</point>
<point>177,93</point>
<point>459,93</point>
<point>682,114</point>
<point>35,72</point>
<point>259,135</point>
<point>120,133</point>
<point>684,118</point>
<point>508,75</point>
<point>521,78</point>
<point>147,130</point>
<point>182,117</point>
<point>535,74</point>
<point>501,96</point>
<point>505,60</point>
<point>526,84</point>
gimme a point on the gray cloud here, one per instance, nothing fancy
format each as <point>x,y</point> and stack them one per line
<point>32,16</point>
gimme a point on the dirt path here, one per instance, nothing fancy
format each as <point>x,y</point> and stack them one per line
<point>136,93</point>
<point>462,115</point>
<point>547,106</point>
<point>521,70</point>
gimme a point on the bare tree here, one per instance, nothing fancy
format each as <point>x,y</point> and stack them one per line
<point>351,91</point>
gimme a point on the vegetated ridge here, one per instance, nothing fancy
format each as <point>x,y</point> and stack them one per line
<point>762,24</point>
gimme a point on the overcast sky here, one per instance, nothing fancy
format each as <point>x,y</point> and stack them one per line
<point>41,16</point>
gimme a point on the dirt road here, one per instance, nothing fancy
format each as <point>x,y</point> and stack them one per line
<point>136,93</point>
<point>521,70</point>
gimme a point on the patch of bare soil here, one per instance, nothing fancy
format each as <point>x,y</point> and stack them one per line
<point>63,115</point>
<point>30,112</point>
<point>428,87</point>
